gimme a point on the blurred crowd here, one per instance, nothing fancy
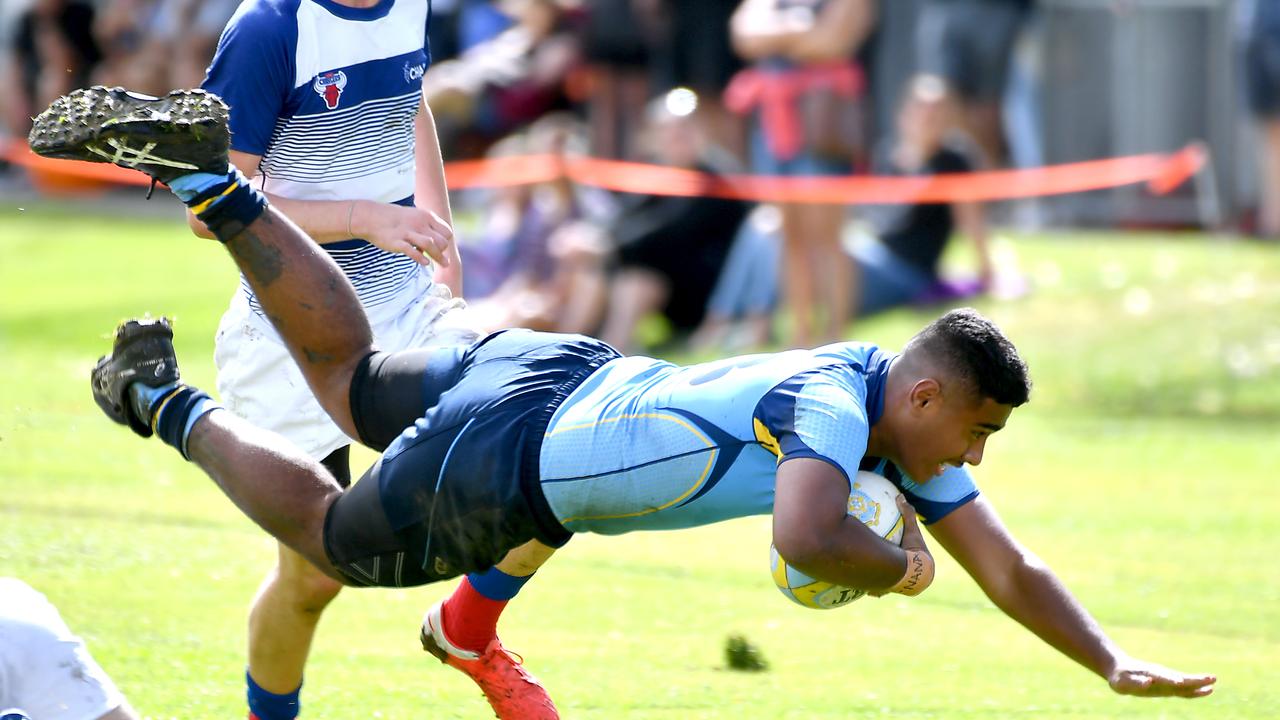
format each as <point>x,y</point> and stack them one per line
<point>771,87</point>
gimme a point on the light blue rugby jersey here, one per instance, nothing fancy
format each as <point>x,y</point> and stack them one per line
<point>327,95</point>
<point>646,445</point>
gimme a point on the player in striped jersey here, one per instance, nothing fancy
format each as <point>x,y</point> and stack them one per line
<point>328,119</point>
<point>476,438</point>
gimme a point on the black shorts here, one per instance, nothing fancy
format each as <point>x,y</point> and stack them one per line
<point>459,487</point>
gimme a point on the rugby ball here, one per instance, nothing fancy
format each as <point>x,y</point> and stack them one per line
<point>873,501</point>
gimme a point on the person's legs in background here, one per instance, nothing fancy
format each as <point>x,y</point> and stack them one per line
<point>635,293</point>
<point>882,279</point>
<point>1260,56</point>
<point>970,44</point>
<point>740,309</point>
<point>1269,193</point>
<point>579,286</point>
<point>831,276</point>
<point>799,296</point>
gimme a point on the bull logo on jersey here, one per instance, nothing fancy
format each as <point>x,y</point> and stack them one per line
<point>329,86</point>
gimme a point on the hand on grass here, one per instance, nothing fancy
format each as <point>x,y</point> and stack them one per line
<point>1144,679</point>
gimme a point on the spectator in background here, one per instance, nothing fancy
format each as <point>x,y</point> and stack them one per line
<point>900,265</point>
<point>740,310</point>
<point>186,35</point>
<point>46,673</point>
<point>670,249</point>
<point>53,51</point>
<point>803,89</point>
<point>969,43</point>
<point>505,83</point>
<point>1260,51</point>
<point>135,53</point>
<point>443,35</point>
<point>514,224</point>
<point>616,40</point>
<point>690,48</point>
<point>525,267</point>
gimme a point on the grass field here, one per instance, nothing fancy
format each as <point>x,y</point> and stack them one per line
<point>1144,470</point>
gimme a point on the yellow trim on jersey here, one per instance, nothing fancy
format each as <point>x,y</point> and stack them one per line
<point>651,416</point>
<point>711,460</point>
<point>766,438</point>
<point>197,209</point>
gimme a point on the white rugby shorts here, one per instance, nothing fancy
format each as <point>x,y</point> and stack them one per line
<point>45,670</point>
<point>259,381</point>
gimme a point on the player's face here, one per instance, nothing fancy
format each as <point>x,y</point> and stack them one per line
<point>951,430</point>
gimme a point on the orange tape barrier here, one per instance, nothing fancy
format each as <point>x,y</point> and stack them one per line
<point>1161,172</point>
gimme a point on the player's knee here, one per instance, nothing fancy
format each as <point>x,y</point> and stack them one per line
<point>306,587</point>
<point>312,591</point>
<point>317,592</point>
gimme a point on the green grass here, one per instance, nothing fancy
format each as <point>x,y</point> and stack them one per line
<point>1143,471</point>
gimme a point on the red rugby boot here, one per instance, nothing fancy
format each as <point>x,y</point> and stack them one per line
<point>512,692</point>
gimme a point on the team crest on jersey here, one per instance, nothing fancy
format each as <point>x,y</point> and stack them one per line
<point>413,73</point>
<point>329,86</point>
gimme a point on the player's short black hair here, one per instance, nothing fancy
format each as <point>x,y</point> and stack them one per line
<point>971,347</point>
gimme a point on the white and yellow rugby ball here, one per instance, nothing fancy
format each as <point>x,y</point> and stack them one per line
<point>873,502</point>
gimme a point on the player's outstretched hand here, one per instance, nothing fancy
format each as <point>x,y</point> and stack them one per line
<point>1144,679</point>
<point>416,232</point>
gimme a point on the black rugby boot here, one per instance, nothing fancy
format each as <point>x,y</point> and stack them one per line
<point>142,352</point>
<point>167,137</point>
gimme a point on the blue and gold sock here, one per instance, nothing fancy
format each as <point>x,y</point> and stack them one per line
<point>172,410</point>
<point>226,204</point>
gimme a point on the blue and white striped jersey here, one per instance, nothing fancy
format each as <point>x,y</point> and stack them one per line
<point>646,445</point>
<point>327,95</point>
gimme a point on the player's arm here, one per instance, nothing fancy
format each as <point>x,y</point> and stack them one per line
<point>431,194</point>
<point>814,533</point>
<point>406,230</point>
<point>1022,586</point>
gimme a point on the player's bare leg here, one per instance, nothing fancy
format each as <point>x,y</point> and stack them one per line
<point>283,620</point>
<point>138,385</point>
<point>292,507</point>
<point>182,141</point>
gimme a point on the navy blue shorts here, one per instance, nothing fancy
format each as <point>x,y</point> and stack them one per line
<point>459,486</point>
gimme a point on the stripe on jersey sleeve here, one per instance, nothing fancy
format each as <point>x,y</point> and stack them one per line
<point>817,414</point>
